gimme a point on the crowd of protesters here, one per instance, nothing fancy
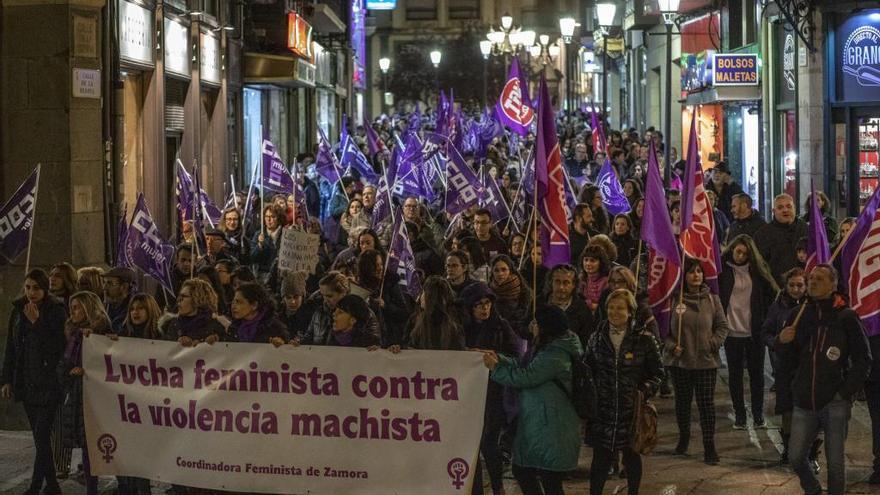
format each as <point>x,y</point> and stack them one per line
<point>485,289</point>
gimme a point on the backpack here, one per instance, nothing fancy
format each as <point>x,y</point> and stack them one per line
<point>643,433</point>
<point>583,393</point>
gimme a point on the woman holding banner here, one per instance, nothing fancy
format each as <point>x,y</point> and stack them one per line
<point>692,359</point>
<point>391,305</point>
<point>253,317</point>
<point>436,324</point>
<point>34,345</point>
<point>513,296</point>
<point>354,325</point>
<point>196,315</point>
<point>547,440</point>
<point>87,316</point>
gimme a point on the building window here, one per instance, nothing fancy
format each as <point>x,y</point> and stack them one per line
<point>464,9</point>
<point>421,10</point>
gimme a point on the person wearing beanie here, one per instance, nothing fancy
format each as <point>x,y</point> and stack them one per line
<point>294,313</point>
<point>354,325</point>
<point>543,451</point>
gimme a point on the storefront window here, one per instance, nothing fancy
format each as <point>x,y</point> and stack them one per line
<point>132,154</point>
<point>869,133</point>
<point>789,157</point>
<point>253,123</point>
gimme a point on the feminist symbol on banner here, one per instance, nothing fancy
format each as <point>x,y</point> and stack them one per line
<point>458,470</point>
<point>107,446</point>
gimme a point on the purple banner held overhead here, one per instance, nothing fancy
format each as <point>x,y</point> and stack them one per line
<point>402,261</point>
<point>276,178</point>
<point>353,158</point>
<point>326,163</point>
<point>612,193</point>
<point>145,248</point>
<point>514,108</point>
<point>463,188</point>
<point>492,199</point>
<point>17,219</point>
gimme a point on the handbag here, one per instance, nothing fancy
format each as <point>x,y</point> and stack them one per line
<point>643,434</point>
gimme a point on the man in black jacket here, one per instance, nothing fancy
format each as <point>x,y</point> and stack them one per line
<point>829,357</point>
<point>778,239</point>
<point>580,230</point>
<point>746,220</point>
<point>563,281</point>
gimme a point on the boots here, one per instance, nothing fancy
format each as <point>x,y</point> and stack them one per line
<point>710,456</point>
<point>783,457</point>
<point>814,456</point>
<point>683,441</point>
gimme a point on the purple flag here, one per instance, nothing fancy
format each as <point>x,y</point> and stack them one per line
<point>492,199</point>
<point>353,158</point>
<point>513,107</point>
<point>17,219</point>
<point>817,241</point>
<point>402,261</point>
<point>550,179</point>
<point>122,238</point>
<point>382,208</point>
<point>276,178</point>
<point>186,188</point>
<point>326,163</point>
<point>343,131</point>
<point>612,194</point>
<point>374,144</point>
<point>598,133</point>
<point>463,189</point>
<point>144,247</point>
<point>861,272</point>
<point>663,255</point>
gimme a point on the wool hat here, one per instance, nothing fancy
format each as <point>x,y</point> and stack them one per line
<point>551,320</point>
<point>293,284</point>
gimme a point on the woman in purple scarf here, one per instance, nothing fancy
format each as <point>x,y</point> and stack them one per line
<point>253,317</point>
<point>197,319</point>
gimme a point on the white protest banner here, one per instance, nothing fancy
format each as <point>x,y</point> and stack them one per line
<point>255,418</point>
<point>299,251</point>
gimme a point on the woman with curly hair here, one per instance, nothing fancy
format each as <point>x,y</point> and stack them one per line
<point>196,319</point>
<point>595,268</point>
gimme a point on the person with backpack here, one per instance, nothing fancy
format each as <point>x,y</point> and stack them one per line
<point>623,362</point>
<point>547,443</point>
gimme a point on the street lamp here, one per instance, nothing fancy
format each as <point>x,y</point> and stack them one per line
<point>605,15</point>
<point>566,28</point>
<point>436,55</point>
<point>669,9</point>
<point>506,21</point>
<point>486,50</point>
<point>384,65</point>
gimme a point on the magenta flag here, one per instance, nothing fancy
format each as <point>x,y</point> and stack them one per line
<point>551,185</point>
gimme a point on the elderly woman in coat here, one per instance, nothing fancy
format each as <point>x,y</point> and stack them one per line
<point>624,361</point>
<point>691,358</point>
<point>547,440</point>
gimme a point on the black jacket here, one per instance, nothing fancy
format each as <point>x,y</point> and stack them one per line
<point>748,226</point>
<point>776,242</point>
<point>829,355</point>
<point>616,377</point>
<point>177,327</point>
<point>781,311</point>
<point>580,318</point>
<point>33,351</point>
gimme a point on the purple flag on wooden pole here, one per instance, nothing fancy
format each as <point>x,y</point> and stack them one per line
<point>463,189</point>
<point>145,248</point>
<point>513,106</point>
<point>612,193</point>
<point>402,261</point>
<point>861,272</point>
<point>818,251</point>
<point>550,178</point>
<point>17,219</point>
<point>326,163</point>
<point>276,177</point>
<point>353,158</point>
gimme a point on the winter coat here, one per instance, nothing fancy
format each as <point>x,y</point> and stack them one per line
<point>263,257</point>
<point>725,195</point>
<point>829,355</point>
<point>776,242</point>
<point>269,328</point>
<point>580,318</point>
<point>703,330</point>
<point>517,312</point>
<point>644,317</point>
<point>548,428</point>
<point>748,226</point>
<point>760,298</point>
<point>616,377</point>
<point>364,335</point>
<point>118,313</point>
<point>782,310</point>
<point>33,351</point>
<point>398,306</point>
<point>627,248</point>
<point>497,335</point>
<point>177,327</point>
<point>320,325</point>
<point>73,431</point>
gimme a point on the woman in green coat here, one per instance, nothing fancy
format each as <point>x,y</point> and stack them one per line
<point>547,440</point>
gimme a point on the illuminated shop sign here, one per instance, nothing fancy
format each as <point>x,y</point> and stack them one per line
<point>177,48</point>
<point>858,46</point>
<point>381,4</point>
<point>135,33</point>
<point>209,58</point>
<point>734,69</point>
<point>299,36</point>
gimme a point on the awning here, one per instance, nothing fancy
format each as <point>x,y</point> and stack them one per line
<point>722,94</point>
<point>324,20</point>
<point>280,70</point>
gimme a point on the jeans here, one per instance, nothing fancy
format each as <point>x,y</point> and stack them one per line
<point>749,352</point>
<point>490,447</point>
<point>41,417</point>
<point>833,419</point>
<point>533,481</point>
<point>872,391</point>
<point>603,460</point>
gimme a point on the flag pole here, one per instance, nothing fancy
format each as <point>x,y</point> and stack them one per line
<point>638,261</point>
<point>680,299</point>
<point>27,263</point>
<point>232,184</point>
<point>797,319</point>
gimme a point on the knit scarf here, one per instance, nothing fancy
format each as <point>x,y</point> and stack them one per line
<point>509,289</point>
<point>193,324</point>
<point>592,287</point>
<point>247,329</point>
